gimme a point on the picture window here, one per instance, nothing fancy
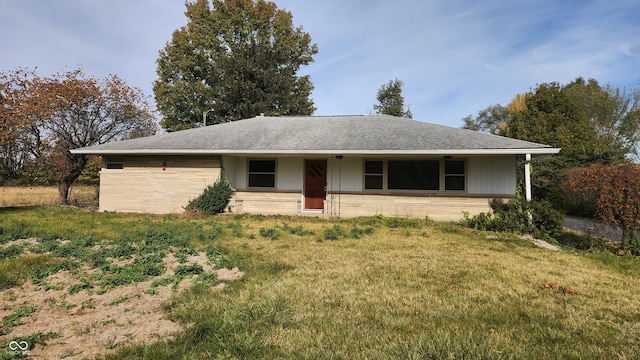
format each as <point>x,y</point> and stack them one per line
<point>414,175</point>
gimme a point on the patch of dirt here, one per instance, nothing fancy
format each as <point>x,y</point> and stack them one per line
<point>546,245</point>
<point>537,242</point>
<point>90,323</point>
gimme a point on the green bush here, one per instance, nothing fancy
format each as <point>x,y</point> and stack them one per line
<point>545,220</point>
<point>214,199</point>
<point>537,218</point>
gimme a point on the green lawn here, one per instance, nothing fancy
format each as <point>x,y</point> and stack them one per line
<point>378,288</point>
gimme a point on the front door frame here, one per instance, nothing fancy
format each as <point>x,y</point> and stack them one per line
<point>311,202</point>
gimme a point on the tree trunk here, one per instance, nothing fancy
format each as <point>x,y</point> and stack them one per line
<point>63,193</point>
<point>627,236</point>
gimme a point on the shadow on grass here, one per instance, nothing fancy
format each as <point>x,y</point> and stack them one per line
<point>582,242</point>
<point>13,209</point>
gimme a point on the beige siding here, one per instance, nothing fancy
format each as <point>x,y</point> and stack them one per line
<point>266,203</point>
<point>240,172</point>
<point>351,205</point>
<point>230,164</point>
<point>143,186</point>
<point>438,208</point>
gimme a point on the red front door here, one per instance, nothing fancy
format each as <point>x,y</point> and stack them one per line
<point>315,184</point>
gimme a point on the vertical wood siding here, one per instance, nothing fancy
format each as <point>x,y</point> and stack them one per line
<point>345,174</point>
<point>492,175</point>
<point>290,174</point>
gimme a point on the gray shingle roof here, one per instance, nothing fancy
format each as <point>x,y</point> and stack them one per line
<point>361,134</point>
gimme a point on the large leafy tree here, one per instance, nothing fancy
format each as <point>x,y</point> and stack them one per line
<point>552,117</point>
<point>391,100</point>
<point>52,115</point>
<point>233,60</point>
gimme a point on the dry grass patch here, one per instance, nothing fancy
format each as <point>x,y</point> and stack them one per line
<point>44,195</point>
<point>435,293</point>
<point>375,288</point>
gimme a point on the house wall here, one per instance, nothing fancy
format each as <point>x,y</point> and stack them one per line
<point>143,186</point>
<point>496,175</point>
<point>487,178</point>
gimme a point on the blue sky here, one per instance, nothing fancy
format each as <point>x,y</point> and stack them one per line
<point>456,57</point>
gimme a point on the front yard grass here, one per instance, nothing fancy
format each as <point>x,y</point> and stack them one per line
<point>377,288</point>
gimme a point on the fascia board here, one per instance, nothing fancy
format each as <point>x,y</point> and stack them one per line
<point>532,151</point>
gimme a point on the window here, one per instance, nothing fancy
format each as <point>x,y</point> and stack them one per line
<point>262,173</point>
<point>414,175</point>
<point>454,176</point>
<point>425,175</point>
<point>373,174</point>
<point>115,163</point>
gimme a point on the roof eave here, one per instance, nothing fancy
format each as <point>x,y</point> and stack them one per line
<point>532,151</point>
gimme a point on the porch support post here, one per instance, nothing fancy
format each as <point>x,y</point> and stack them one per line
<point>527,177</point>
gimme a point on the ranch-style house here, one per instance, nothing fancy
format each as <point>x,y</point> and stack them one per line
<point>328,166</point>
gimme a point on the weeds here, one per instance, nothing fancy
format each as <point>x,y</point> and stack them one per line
<point>14,271</point>
<point>336,232</point>
<point>272,233</point>
<point>236,229</point>
<point>15,318</point>
<point>298,230</point>
<point>122,299</point>
<point>187,270</point>
<point>333,233</point>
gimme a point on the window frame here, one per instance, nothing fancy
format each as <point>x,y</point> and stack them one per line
<point>462,175</point>
<point>430,164</point>
<point>113,163</point>
<point>263,173</point>
<point>442,176</point>
<point>381,175</point>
